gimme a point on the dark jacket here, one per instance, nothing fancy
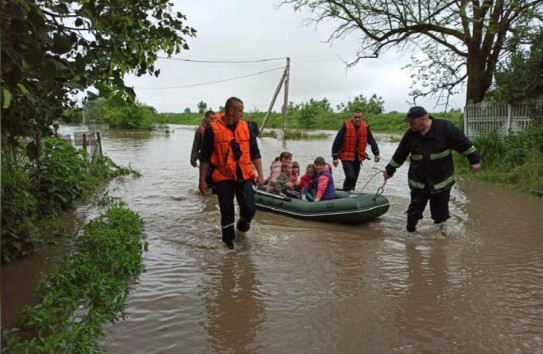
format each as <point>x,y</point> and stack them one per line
<point>432,165</point>
<point>254,128</point>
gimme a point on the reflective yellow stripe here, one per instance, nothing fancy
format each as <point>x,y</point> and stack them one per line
<point>444,184</point>
<point>471,150</point>
<point>395,164</point>
<point>440,155</point>
<point>416,157</point>
<point>415,184</point>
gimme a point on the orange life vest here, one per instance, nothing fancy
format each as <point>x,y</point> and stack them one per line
<point>223,157</point>
<point>349,147</point>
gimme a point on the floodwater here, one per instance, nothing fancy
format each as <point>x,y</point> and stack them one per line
<point>294,286</point>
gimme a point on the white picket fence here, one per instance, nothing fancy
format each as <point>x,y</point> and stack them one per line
<point>486,118</point>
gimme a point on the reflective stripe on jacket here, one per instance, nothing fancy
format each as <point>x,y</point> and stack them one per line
<point>355,141</point>
<point>223,154</point>
<point>431,158</point>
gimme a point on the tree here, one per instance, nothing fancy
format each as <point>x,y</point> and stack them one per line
<point>187,110</point>
<point>521,76</point>
<point>374,105</point>
<point>54,49</point>
<point>202,107</point>
<point>461,41</point>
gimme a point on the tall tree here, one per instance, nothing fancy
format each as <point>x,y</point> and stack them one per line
<point>461,41</point>
<point>520,78</point>
<point>54,49</point>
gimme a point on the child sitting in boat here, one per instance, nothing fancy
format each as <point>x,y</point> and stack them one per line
<point>306,181</point>
<point>323,183</point>
<point>284,185</point>
<point>275,170</point>
<point>295,172</point>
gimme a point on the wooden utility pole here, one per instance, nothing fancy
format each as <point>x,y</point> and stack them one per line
<point>285,103</point>
<point>284,79</point>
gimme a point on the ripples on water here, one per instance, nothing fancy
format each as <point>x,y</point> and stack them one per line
<point>294,286</point>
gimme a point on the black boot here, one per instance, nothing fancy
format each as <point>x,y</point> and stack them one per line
<point>243,225</point>
<point>412,224</point>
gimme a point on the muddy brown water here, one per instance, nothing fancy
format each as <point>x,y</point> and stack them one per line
<point>294,286</point>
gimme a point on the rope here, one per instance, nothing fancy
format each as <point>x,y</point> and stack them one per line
<point>381,189</point>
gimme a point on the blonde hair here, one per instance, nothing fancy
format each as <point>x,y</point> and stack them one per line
<point>311,167</point>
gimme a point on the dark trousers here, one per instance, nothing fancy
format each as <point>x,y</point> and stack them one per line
<point>244,193</point>
<point>439,204</point>
<point>352,170</point>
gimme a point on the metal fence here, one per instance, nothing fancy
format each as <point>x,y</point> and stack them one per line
<point>486,118</point>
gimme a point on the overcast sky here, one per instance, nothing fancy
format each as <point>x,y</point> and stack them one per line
<point>244,30</point>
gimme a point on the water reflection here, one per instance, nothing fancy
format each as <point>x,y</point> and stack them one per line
<point>234,306</point>
<point>421,317</point>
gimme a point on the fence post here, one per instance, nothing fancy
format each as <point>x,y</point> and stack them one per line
<point>466,121</point>
<point>84,141</point>
<point>509,118</point>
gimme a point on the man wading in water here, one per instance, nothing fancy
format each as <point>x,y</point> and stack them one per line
<point>230,146</point>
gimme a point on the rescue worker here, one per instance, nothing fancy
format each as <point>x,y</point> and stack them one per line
<point>209,117</point>
<point>350,147</point>
<point>230,147</point>
<point>430,142</point>
<point>254,126</point>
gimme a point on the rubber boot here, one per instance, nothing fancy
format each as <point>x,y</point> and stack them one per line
<point>411,224</point>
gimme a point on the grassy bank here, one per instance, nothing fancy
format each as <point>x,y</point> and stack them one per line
<point>388,122</point>
<point>86,291</point>
<point>515,161</point>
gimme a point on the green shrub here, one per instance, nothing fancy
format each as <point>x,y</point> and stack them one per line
<point>87,290</point>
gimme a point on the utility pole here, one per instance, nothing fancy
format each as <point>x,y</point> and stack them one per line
<point>285,103</point>
<point>284,79</point>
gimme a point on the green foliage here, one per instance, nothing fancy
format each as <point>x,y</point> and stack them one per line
<point>37,189</point>
<point>520,78</point>
<point>373,105</point>
<point>54,50</point>
<point>19,211</point>
<point>120,114</point>
<point>86,291</point>
<point>61,174</point>
<point>515,160</point>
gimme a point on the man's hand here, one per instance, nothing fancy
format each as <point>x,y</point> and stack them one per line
<point>259,181</point>
<point>376,158</point>
<point>476,167</point>
<point>203,188</point>
<point>386,175</point>
<point>335,162</point>
<point>194,163</point>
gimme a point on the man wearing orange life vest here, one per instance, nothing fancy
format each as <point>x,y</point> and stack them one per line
<point>350,147</point>
<point>230,147</point>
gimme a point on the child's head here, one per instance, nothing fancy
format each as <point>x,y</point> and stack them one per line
<point>319,164</point>
<point>285,156</point>
<point>277,158</point>
<point>286,167</point>
<point>310,170</point>
<point>296,167</point>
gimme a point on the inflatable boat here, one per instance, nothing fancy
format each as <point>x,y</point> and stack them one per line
<point>347,208</point>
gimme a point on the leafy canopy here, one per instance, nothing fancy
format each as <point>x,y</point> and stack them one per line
<point>54,49</point>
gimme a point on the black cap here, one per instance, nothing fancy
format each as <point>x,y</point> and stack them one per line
<point>415,112</point>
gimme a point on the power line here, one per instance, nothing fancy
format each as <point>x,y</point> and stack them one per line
<point>223,61</point>
<point>207,83</point>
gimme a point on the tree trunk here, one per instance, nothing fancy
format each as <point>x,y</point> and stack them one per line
<point>477,83</point>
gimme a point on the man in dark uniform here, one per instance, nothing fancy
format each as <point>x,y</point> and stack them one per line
<point>430,142</point>
<point>254,126</point>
